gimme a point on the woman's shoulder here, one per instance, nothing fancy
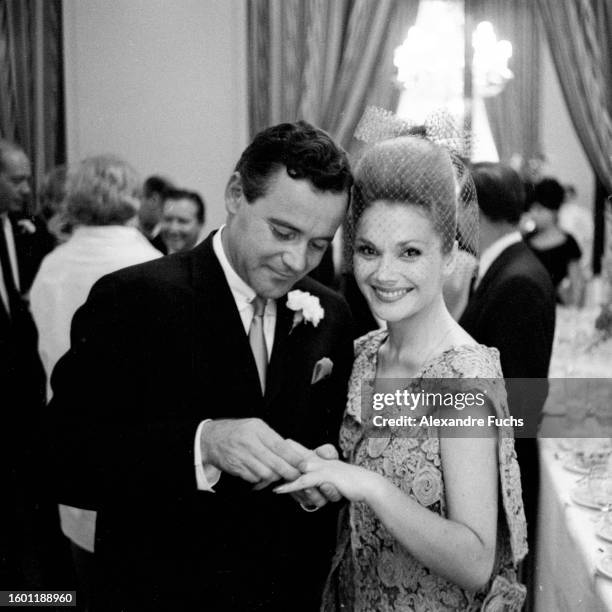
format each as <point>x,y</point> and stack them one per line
<point>370,342</point>
<point>471,360</point>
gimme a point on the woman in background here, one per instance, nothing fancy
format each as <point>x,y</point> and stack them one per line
<point>436,519</point>
<point>555,248</point>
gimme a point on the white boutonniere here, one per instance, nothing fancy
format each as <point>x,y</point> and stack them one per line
<point>306,306</point>
<point>26,226</point>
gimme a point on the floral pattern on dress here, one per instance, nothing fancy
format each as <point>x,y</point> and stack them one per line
<point>371,570</point>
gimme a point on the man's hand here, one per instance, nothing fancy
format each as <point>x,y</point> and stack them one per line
<point>249,449</point>
<point>315,498</point>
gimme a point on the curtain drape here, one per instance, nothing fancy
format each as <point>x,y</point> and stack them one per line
<point>578,33</point>
<point>31,83</point>
<point>323,61</point>
<point>514,113</point>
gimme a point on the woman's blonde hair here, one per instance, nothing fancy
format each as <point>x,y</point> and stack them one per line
<point>103,190</point>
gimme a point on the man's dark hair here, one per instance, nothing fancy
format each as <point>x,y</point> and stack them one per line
<point>500,191</point>
<point>305,151</point>
<point>193,196</point>
<point>156,184</point>
<point>549,193</point>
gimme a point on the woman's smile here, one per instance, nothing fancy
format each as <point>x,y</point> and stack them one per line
<point>390,295</point>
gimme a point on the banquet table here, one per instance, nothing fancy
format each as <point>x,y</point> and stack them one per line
<point>576,351</point>
<point>568,549</point>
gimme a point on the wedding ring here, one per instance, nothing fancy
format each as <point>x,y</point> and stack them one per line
<point>309,508</point>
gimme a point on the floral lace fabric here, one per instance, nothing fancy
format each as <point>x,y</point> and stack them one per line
<point>373,572</point>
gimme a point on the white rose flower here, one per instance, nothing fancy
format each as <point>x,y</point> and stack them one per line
<point>306,306</point>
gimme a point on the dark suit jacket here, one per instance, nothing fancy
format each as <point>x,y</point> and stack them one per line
<point>513,309</point>
<point>31,247</point>
<point>22,396</point>
<point>22,381</point>
<point>157,348</point>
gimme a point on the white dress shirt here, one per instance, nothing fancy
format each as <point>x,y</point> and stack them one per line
<point>12,252</point>
<point>207,476</point>
<point>493,251</point>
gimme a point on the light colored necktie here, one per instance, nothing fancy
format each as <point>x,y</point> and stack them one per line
<point>257,340</point>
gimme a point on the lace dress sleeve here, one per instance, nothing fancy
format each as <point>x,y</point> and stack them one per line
<point>482,365</point>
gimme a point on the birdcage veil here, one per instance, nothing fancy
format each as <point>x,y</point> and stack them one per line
<point>421,164</point>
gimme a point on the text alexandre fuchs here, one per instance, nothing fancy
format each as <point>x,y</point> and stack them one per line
<point>426,400</point>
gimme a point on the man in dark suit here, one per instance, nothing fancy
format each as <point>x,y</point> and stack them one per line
<point>197,359</point>
<point>24,524</point>
<point>513,309</point>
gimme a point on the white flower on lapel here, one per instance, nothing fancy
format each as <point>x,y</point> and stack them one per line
<point>26,226</point>
<point>306,306</point>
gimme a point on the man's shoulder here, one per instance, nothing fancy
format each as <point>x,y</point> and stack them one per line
<point>158,271</point>
<point>174,269</point>
<point>518,266</point>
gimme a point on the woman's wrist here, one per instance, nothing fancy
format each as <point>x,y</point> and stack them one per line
<point>374,487</point>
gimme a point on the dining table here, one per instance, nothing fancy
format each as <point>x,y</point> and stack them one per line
<point>573,562</point>
<point>574,535</point>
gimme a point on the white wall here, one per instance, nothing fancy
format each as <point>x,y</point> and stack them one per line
<point>161,83</point>
<point>566,159</point>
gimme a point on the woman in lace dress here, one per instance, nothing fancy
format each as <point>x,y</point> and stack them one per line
<point>435,520</point>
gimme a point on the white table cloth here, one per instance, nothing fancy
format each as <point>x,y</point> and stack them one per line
<point>567,547</point>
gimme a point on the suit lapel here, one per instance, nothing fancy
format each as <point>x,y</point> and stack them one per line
<point>220,345</point>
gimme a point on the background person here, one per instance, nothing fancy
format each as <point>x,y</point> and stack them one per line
<point>555,248</point>
<point>31,552</point>
<point>183,217</point>
<point>150,211</point>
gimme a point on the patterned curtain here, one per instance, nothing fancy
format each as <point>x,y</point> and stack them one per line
<point>579,39</point>
<point>580,46</point>
<point>31,83</point>
<point>514,113</point>
<point>323,61</point>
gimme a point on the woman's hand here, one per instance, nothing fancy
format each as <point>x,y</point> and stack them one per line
<point>352,482</point>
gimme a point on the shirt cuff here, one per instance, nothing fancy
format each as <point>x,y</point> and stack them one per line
<point>207,476</point>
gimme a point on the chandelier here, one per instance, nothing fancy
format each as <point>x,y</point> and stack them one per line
<point>431,61</point>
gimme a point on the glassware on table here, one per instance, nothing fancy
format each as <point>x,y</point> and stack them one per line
<point>600,488</point>
<point>587,452</point>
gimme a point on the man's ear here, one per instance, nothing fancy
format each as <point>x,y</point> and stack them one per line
<point>233,193</point>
